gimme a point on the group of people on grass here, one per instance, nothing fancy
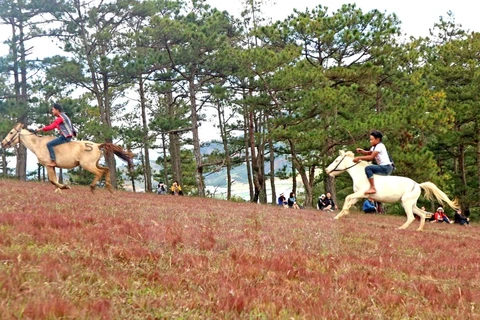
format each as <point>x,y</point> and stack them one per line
<point>175,189</point>
<point>460,217</point>
<point>326,203</point>
<point>291,202</point>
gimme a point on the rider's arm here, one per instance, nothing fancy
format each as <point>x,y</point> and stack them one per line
<point>364,152</point>
<point>54,124</point>
<point>369,157</point>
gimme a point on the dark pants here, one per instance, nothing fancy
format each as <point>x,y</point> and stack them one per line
<point>55,142</point>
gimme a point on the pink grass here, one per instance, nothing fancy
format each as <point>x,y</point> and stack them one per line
<point>145,256</point>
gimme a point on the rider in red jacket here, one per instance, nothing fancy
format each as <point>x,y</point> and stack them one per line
<point>64,125</point>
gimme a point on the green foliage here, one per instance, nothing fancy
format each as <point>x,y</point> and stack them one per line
<point>315,83</point>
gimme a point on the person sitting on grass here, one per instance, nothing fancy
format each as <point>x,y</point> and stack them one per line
<point>321,203</point>
<point>429,216</point>
<point>176,189</point>
<point>369,206</point>
<point>440,216</point>
<point>292,201</point>
<point>329,204</point>
<point>282,201</point>
<point>461,219</point>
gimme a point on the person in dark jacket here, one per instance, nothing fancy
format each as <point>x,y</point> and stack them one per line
<point>282,201</point>
<point>292,201</point>
<point>460,218</point>
<point>329,204</point>
<point>320,202</point>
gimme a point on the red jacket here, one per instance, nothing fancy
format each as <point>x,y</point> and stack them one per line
<point>57,124</point>
<point>439,215</point>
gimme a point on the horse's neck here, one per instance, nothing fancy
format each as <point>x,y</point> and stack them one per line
<point>357,172</point>
<point>31,141</point>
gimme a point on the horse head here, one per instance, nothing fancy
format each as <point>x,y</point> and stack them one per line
<point>13,137</point>
<point>342,163</point>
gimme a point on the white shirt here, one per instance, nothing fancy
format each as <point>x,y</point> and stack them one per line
<point>382,157</point>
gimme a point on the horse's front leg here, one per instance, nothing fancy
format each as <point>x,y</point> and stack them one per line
<point>350,200</point>
<point>52,177</point>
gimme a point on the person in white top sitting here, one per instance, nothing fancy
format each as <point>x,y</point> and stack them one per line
<point>378,151</point>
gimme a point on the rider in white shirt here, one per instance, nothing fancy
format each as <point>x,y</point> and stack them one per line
<point>378,151</point>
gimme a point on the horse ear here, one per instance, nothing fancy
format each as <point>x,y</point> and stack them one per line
<point>342,153</point>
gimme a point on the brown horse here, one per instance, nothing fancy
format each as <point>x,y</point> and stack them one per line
<point>69,155</point>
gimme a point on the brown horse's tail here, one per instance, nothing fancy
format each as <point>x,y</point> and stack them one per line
<point>126,156</point>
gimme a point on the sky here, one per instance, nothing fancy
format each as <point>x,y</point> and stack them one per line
<point>417,16</point>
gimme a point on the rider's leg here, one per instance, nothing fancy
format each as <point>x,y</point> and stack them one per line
<point>370,170</point>
<point>55,142</point>
<point>375,169</point>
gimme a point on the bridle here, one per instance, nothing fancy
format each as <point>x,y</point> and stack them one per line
<point>335,169</point>
<point>9,142</point>
<point>17,133</point>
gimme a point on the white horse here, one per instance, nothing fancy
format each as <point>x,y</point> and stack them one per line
<point>390,189</point>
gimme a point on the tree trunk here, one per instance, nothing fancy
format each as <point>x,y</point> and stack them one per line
<point>294,177</point>
<point>272,171</point>
<point>132,179</point>
<point>174,138</point>
<point>247,153</point>
<point>255,169</point>
<point>4,164</point>
<point>19,77</point>
<point>196,139</point>
<point>22,151</point>
<point>147,167</point>
<point>306,179</point>
<point>223,134</point>
<point>165,162</point>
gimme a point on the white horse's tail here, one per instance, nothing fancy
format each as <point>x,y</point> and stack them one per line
<point>432,190</point>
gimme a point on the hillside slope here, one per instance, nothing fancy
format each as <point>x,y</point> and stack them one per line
<point>143,256</point>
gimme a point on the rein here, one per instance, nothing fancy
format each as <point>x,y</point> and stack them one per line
<point>335,169</point>
<point>9,142</point>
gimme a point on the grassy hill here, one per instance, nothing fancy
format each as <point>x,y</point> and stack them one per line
<point>143,256</point>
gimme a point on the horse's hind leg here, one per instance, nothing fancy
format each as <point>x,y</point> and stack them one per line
<point>409,201</point>
<point>106,171</point>
<point>98,172</point>
<point>408,206</point>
